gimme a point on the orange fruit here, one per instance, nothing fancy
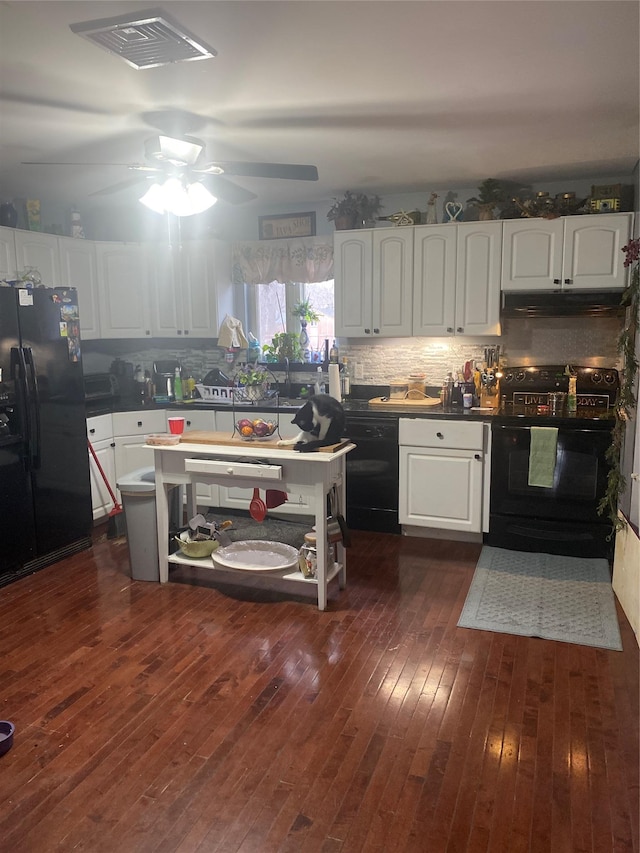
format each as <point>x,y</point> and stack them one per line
<point>246,430</point>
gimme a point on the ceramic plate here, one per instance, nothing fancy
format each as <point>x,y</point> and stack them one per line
<point>256,555</point>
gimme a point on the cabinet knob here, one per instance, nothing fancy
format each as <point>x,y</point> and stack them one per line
<point>139,423</point>
<point>568,281</point>
<point>186,331</point>
<point>450,329</point>
<point>229,470</point>
<point>478,457</point>
<point>460,329</point>
<point>179,331</point>
<point>92,431</point>
<point>556,281</point>
<point>376,331</point>
<point>188,423</point>
<point>439,435</point>
<point>367,331</point>
<point>113,444</point>
<point>147,332</point>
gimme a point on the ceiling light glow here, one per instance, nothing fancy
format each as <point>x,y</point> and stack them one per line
<point>174,197</point>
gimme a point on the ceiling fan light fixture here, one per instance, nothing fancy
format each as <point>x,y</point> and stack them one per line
<point>174,197</point>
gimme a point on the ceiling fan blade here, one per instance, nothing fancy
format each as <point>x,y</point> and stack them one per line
<point>228,191</point>
<point>51,163</point>
<point>288,171</point>
<point>122,185</point>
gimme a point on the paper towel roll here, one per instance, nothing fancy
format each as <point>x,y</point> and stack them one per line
<point>334,381</point>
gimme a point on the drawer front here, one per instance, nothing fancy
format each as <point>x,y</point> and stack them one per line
<point>99,428</point>
<point>229,468</point>
<point>139,423</point>
<point>454,435</point>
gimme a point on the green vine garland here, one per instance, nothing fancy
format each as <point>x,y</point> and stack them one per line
<point>626,402</point>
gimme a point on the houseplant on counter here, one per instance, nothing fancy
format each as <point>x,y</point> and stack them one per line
<point>283,346</point>
<point>252,383</point>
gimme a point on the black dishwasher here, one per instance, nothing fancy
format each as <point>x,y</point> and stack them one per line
<point>372,474</point>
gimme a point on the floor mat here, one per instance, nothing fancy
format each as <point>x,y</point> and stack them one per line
<point>543,595</point>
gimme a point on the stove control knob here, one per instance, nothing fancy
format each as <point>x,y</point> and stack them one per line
<point>508,376</point>
<point>610,378</point>
<point>596,377</point>
<point>520,376</point>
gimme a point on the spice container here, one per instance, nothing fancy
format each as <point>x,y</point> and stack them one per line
<point>416,385</point>
<point>398,389</point>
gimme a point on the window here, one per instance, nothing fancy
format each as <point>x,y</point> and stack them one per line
<point>269,309</point>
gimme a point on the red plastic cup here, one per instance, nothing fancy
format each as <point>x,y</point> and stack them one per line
<point>176,425</point>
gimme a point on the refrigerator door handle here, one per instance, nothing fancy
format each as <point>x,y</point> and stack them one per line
<point>33,401</point>
<point>19,378</point>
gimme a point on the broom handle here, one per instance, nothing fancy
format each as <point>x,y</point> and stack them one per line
<point>103,475</point>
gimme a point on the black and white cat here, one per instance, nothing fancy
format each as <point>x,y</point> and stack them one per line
<point>321,421</point>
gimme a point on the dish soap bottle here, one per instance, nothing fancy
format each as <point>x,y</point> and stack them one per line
<point>177,385</point>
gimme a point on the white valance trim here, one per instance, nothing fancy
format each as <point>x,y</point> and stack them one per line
<point>298,259</point>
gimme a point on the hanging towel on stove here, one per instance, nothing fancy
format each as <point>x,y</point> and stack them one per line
<point>231,334</point>
<point>542,456</point>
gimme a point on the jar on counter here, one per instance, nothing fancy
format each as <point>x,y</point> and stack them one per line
<point>308,555</point>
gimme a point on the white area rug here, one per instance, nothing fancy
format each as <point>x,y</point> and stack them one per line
<point>542,595</point>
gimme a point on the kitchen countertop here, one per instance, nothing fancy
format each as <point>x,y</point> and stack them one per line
<point>523,416</point>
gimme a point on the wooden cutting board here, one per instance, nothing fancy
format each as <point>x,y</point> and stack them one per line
<point>389,403</point>
<point>224,439</point>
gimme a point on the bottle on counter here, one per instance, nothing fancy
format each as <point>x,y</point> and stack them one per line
<point>572,399</point>
<point>334,354</point>
<point>345,379</point>
<point>177,386</point>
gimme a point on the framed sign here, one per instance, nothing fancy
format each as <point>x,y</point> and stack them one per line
<point>284,225</point>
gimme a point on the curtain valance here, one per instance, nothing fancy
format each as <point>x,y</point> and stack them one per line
<point>300,259</point>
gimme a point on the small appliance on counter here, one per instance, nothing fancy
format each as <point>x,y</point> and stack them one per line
<point>123,371</point>
<point>164,373</point>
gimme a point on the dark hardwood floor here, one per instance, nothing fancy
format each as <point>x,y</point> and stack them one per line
<point>195,717</point>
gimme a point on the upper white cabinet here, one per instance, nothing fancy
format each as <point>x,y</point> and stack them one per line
<point>570,253</point>
<point>123,279</point>
<point>373,272</point>
<point>40,251</point>
<point>78,269</point>
<point>456,279</point>
<point>190,288</point>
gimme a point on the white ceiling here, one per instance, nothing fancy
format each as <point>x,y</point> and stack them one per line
<point>380,96</point>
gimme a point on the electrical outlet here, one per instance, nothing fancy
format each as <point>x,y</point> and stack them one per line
<point>359,372</point>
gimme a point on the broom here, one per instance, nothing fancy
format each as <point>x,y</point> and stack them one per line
<point>116,526</point>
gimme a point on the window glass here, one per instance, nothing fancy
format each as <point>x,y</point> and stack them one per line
<point>273,302</point>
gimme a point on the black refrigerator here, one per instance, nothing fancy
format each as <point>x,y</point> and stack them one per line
<point>45,493</point>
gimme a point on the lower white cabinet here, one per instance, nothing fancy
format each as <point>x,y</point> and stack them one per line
<point>129,433</point>
<point>206,495</point>
<point>236,498</point>
<point>100,434</point>
<point>441,473</point>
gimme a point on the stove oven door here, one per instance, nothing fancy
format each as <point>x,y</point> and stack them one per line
<point>561,519</point>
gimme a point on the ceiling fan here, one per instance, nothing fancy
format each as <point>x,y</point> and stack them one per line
<point>182,157</point>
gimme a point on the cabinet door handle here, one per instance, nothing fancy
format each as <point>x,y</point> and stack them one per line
<point>179,331</point>
<point>568,281</point>
<point>229,470</point>
<point>376,331</point>
<point>147,332</point>
<point>188,423</point>
<point>139,423</point>
<point>92,431</point>
<point>113,444</point>
<point>460,329</point>
<point>449,328</point>
<point>439,435</point>
<point>367,331</point>
<point>186,331</point>
<point>478,457</point>
<point>556,281</point>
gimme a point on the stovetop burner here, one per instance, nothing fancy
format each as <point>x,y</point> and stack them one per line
<point>529,386</point>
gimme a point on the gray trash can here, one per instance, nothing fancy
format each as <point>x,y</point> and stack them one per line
<point>138,490</point>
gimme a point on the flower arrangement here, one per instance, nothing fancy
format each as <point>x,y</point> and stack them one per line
<point>354,209</point>
<point>626,403</point>
<point>305,312</point>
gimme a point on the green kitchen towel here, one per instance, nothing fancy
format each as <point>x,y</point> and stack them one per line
<point>542,456</point>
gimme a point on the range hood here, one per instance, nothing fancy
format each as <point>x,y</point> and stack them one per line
<point>562,304</point>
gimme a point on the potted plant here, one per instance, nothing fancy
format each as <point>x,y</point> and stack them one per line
<point>490,195</point>
<point>284,345</point>
<point>344,212</point>
<point>252,382</point>
<point>305,312</point>
<point>370,207</point>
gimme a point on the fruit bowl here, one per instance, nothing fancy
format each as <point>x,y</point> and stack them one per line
<point>256,429</point>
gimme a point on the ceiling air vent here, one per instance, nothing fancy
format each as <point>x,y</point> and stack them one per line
<point>145,39</point>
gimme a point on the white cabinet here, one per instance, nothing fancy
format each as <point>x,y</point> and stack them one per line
<point>123,284</point>
<point>373,273</point>
<point>100,434</point>
<point>570,253</point>
<point>78,268</point>
<point>456,279</point>
<point>207,494</point>
<point>8,264</point>
<point>129,432</point>
<point>236,498</point>
<point>40,251</point>
<point>441,473</point>
<point>190,288</point>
